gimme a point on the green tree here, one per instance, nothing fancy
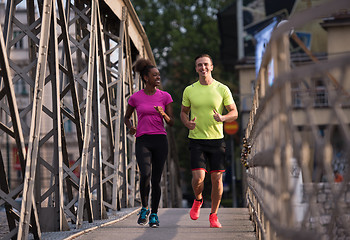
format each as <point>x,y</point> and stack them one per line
<point>178,31</point>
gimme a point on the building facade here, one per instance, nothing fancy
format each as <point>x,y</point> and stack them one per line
<point>319,41</point>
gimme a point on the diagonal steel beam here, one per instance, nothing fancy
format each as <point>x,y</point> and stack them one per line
<point>8,89</point>
<point>33,147</point>
<point>85,193</point>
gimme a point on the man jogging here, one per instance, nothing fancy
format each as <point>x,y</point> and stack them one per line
<point>205,100</point>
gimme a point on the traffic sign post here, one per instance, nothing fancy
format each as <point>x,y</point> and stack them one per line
<point>231,128</point>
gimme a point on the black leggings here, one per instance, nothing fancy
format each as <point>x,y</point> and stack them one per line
<point>151,154</point>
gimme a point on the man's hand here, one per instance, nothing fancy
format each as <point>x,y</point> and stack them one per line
<point>191,124</point>
<point>218,117</point>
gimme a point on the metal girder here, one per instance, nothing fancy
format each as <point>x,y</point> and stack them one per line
<point>70,112</point>
<point>33,153</point>
<point>12,128</point>
<point>136,32</point>
<point>292,145</point>
<point>84,184</point>
<point>78,77</point>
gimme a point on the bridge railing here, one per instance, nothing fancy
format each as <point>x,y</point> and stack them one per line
<point>297,136</point>
<point>66,73</point>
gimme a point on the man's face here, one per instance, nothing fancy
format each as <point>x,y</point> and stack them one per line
<point>204,66</point>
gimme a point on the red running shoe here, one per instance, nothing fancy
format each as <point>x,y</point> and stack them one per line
<point>214,221</point>
<point>194,213</point>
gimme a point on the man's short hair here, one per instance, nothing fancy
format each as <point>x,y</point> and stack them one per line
<point>204,55</point>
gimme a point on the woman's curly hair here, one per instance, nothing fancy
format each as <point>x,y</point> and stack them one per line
<point>143,66</point>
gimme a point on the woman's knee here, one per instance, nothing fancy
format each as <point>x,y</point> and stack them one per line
<point>145,177</point>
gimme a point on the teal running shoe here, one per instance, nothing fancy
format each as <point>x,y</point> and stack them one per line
<point>153,220</point>
<point>143,216</point>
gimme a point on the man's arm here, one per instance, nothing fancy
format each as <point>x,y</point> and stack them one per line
<point>230,116</point>
<point>184,115</point>
<point>232,113</point>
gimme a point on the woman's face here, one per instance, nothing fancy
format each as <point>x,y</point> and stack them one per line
<point>153,77</point>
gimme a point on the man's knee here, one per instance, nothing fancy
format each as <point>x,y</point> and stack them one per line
<point>198,176</point>
<point>197,180</point>
<point>216,177</point>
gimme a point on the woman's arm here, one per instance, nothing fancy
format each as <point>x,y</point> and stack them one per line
<point>127,121</point>
<point>167,114</point>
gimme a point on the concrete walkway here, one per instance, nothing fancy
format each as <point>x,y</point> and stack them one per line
<point>176,224</point>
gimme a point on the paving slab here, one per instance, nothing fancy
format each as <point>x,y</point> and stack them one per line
<point>176,224</point>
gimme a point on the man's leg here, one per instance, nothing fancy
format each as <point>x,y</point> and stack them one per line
<point>216,194</point>
<point>198,183</point>
<point>198,186</point>
<point>216,191</point>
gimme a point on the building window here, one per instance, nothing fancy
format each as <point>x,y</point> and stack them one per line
<point>320,94</point>
<point>19,43</point>
<point>317,94</point>
<point>20,88</point>
<point>296,96</point>
<point>67,123</point>
<point>68,126</point>
<point>252,85</point>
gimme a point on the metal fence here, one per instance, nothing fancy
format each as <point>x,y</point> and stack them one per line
<point>61,108</point>
<point>298,137</point>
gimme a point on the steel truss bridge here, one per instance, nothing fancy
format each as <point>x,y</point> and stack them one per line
<point>290,153</point>
<point>78,68</point>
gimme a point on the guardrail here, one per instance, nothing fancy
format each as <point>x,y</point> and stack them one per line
<point>293,143</point>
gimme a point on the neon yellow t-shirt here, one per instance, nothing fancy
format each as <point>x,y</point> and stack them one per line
<point>203,99</point>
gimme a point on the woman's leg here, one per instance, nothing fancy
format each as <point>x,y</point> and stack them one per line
<point>143,158</point>
<point>160,154</point>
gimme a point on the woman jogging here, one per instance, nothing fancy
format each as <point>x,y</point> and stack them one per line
<point>152,106</point>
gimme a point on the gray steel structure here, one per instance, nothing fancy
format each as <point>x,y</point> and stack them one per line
<point>80,60</point>
<point>291,191</point>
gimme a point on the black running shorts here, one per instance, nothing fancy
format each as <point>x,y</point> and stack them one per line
<point>208,151</point>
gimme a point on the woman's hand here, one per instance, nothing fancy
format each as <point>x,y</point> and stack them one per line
<point>161,111</point>
<point>129,110</point>
<point>132,130</point>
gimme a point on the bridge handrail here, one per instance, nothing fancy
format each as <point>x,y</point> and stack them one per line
<point>281,141</point>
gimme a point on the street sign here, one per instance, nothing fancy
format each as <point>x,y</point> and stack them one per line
<point>231,128</point>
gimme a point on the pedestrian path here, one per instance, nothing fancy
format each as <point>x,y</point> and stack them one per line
<point>176,224</point>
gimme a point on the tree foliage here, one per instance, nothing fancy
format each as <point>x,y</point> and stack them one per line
<point>179,30</point>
